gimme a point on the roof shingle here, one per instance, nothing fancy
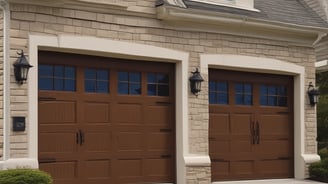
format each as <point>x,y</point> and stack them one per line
<point>286,11</point>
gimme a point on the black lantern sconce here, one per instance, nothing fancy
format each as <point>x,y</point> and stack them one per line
<point>195,82</point>
<point>21,68</point>
<point>313,93</point>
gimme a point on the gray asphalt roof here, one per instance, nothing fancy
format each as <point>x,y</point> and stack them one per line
<point>286,11</point>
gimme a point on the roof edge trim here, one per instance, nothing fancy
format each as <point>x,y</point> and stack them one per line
<point>175,14</point>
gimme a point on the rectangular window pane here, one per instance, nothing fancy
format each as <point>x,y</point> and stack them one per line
<point>123,88</point>
<point>151,89</point>
<point>151,78</point>
<point>161,78</point>
<point>102,86</point>
<point>263,100</point>
<point>96,81</point>
<point>55,77</point>
<point>69,85</point>
<point>239,100</point>
<point>222,98</point>
<point>59,71</point>
<point>212,98</point>
<point>243,94</point>
<point>102,75</point>
<point>248,100</point>
<point>135,77</point>
<point>222,86</point>
<point>212,86</point>
<point>45,84</point>
<point>70,72</point>
<point>163,90</point>
<point>218,92</point>
<point>158,84</point>
<point>89,74</point>
<point>59,84</point>
<point>45,70</point>
<point>135,89</point>
<point>272,90</point>
<point>239,88</point>
<point>123,76</point>
<point>90,85</point>
<point>272,100</point>
<point>248,88</point>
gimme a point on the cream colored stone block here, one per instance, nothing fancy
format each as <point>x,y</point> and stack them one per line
<point>85,15</point>
<point>23,16</point>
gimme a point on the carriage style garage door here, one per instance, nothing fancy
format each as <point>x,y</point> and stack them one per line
<point>104,120</point>
<point>251,125</point>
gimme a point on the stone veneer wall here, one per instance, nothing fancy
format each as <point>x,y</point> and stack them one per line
<point>1,85</point>
<point>138,24</point>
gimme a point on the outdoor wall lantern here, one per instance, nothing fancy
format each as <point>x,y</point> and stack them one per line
<point>21,68</point>
<point>313,93</point>
<point>195,82</point>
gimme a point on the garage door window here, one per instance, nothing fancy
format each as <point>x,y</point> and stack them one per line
<point>57,78</point>
<point>157,84</point>
<point>243,94</point>
<point>96,81</point>
<point>273,95</point>
<point>129,83</point>
<point>218,92</point>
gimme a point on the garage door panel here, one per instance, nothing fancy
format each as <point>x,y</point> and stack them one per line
<point>103,139</point>
<point>96,112</point>
<point>221,147</point>
<point>240,123</point>
<point>159,115</point>
<point>219,124</point>
<point>222,169</point>
<point>61,142</point>
<point>242,168</point>
<point>57,112</point>
<point>159,141</point>
<point>275,167</point>
<point>159,169</point>
<point>241,146</point>
<point>127,114</point>
<point>98,170</point>
<point>129,168</point>
<point>276,147</point>
<point>130,141</point>
<point>274,124</point>
<point>63,172</point>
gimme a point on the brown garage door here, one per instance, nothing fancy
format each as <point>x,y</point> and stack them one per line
<point>251,125</point>
<point>105,120</point>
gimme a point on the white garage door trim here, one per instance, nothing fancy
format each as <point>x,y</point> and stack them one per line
<point>272,66</point>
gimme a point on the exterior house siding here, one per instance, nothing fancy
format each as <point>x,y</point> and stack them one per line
<point>138,24</point>
<point>1,85</point>
<point>321,8</point>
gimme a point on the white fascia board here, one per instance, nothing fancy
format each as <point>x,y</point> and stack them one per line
<point>321,66</point>
<point>239,25</point>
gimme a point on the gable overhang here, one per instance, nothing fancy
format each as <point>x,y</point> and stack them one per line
<point>217,22</point>
<point>321,66</point>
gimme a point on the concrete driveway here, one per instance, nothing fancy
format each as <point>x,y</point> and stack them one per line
<point>278,181</point>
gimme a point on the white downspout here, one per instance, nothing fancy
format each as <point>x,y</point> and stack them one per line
<point>6,80</point>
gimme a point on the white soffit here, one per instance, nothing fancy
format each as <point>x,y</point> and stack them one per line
<point>240,4</point>
<point>321,66</point>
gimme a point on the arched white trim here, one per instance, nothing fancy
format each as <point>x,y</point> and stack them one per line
<point>272,66</point>
<point>106,47</point>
